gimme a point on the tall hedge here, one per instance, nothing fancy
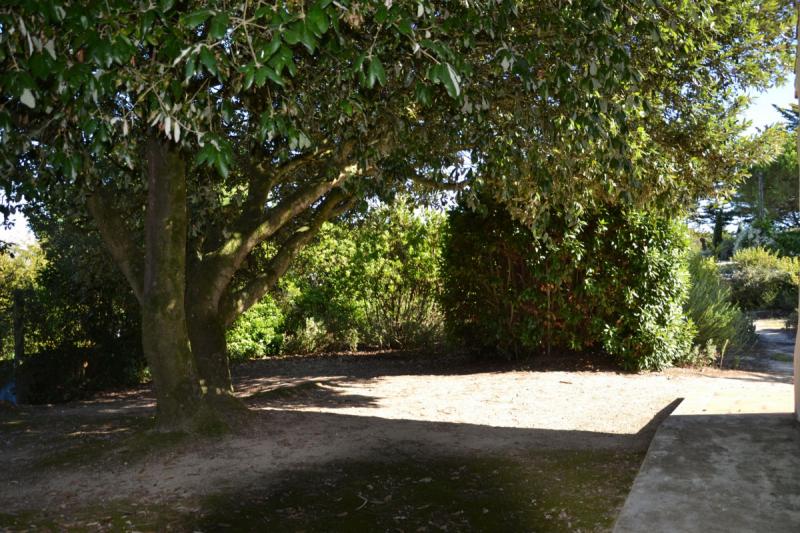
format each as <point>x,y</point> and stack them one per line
<point>613,281</point>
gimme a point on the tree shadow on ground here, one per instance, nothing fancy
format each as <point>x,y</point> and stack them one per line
<point>253,375</point>
<point>361,473</point>
<point>547,491</point>
<point>307,393</point>
<point>415,478</point>
<point>753,376</point>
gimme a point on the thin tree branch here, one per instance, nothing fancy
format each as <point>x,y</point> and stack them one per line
<point>116,237</point>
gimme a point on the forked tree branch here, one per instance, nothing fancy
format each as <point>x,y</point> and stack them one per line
<point>334,205</point>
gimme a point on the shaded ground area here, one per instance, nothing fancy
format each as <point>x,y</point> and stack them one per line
<point>555,449</point>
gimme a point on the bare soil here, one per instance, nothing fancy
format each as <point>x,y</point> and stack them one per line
<point>366,429</point>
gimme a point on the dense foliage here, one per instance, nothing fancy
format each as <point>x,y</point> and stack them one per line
<point>613,281</point>
<point>720,325</point>
<point>81,323</point>
<point>787,243</point>
<point>770,190</point>
<point>372,282</point>
<point>258,332</point>
<point>255,122</point>
<point>760,279</point>
<point>19,268</point>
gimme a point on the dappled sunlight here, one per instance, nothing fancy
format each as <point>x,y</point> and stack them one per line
<point>301,394</point>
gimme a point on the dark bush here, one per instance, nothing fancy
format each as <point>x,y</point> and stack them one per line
<point>614,281</point>
<point>73,373</point>
<point>787,243</point>
<point>78,310</point>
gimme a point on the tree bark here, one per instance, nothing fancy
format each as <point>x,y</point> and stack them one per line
<point>207,335</point>
<point>165,338</point>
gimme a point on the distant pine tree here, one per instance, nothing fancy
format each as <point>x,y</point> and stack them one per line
<point>790,114</point>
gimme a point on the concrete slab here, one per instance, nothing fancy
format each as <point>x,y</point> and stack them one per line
<point>720,463</point>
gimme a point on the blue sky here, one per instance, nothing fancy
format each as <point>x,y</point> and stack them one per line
<point>760,114</point>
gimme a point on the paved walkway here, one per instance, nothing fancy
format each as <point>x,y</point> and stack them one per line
<point>721,463</point>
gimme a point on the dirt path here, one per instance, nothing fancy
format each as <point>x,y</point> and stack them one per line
<point>774,350</point>
<point>323,410</point>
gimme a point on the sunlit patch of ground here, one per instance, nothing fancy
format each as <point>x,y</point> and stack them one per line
<point>347,440</point>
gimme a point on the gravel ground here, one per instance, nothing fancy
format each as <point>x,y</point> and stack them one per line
<point>314,411</point>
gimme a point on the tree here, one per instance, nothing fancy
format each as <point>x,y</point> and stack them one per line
<point>769,193</point>
<point>196,133</point>
<point>19,267</point>
<point>790,114</point>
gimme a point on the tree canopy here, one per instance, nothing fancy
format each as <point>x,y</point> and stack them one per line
<point>202,136</point>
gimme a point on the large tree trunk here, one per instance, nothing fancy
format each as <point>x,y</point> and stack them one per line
<point>165,338</point>
<point>207,335</point>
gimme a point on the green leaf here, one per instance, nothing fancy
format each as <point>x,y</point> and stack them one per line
<point>451,80</point>
<point>308,40</point>
<point>404,27</point>
<point>27,98</point>
<point>424,94</point>
<point>249,76</point>
<point>209,61</point>
<point>268,50</point>
<point>264,73</point>
<point>194,19</point>
<point>375,73</point>
<point>222,166</point>
<point>292,35</point>
<point>146,22</point>
<point>190,68</point>
<point>39,67</point>
<point>165,5</point>
<point>219,26</point>
<point>317,20</point>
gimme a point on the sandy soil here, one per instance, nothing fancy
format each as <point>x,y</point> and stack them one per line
<point>313,411</point>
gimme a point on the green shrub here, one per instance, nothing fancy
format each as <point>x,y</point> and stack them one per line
<point>760,279</point>
<point>311,338</point>
<point>614,281</point>
<point>257,333</point>
<point>787,243</point>
<point>82,327</point>
<point>374,283</point>
<point>724,250</point>
<point>718,321</point>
